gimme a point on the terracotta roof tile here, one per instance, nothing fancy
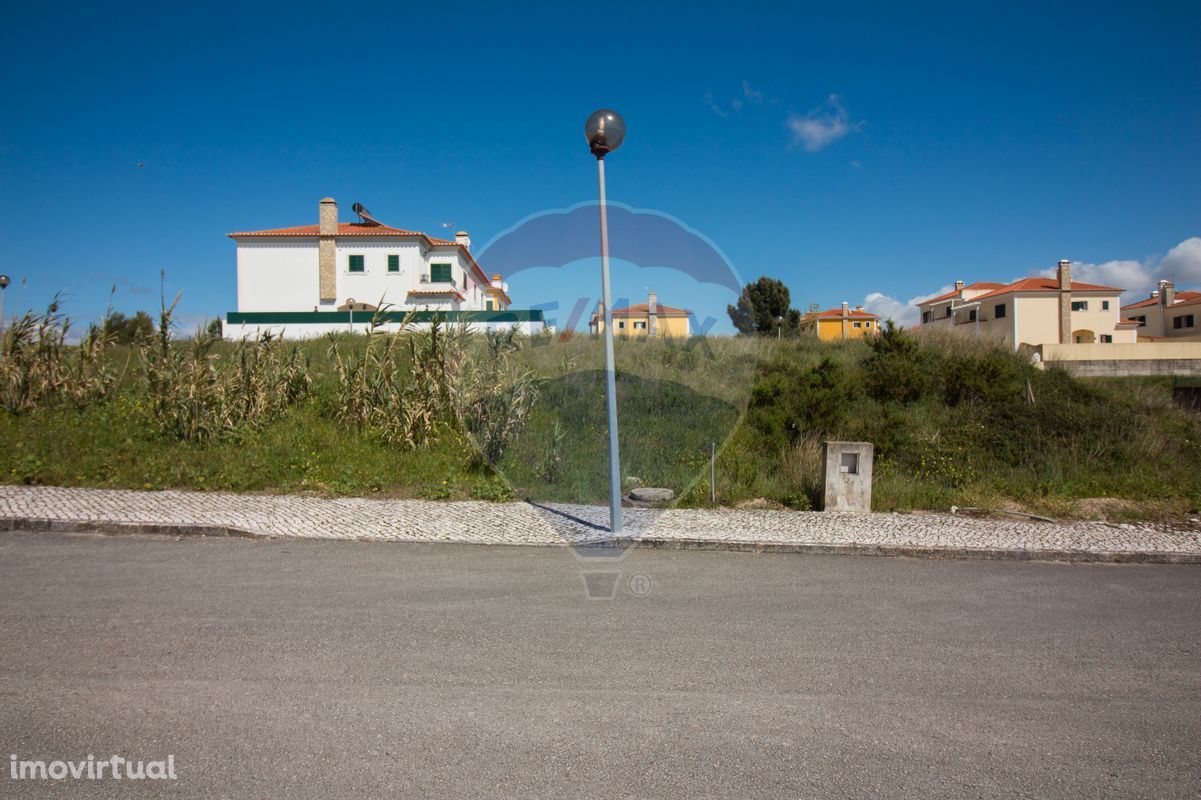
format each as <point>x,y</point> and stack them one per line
<point>837,313</point>
<point>437,292</point>
<point>1028,285</point>
<point>978,285</point>
<point>1150,302</point>
<point>344,229</point>
<point>642,308</point>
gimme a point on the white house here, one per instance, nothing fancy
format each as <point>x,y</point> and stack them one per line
<point>1033,311</point>
<point>333,276</point>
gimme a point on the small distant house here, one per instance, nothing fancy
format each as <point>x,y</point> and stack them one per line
<point>1033,311</point>
<point>308,280</point>
<point>645,319</point>
<point>1166,314</point>
<point>836,324</point>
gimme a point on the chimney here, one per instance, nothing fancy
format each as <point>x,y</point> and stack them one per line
<point>959,286</point>
<point>858,308</point>
<point>1064,276</point>
<point>652,314</point>
<point>1167,293</point>
<point>462,238</point>
<point>496,282</point>
<point>1155,294</point>
<point>327,250</point>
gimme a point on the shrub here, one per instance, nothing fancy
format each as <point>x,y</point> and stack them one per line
<point>788,400</point>
<point>994,377</point>
<point>898,369</point>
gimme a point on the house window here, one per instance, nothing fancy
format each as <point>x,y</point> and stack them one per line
<point>857,324</point>
<point>1106,339</point>
<point>1080,305</point>
<point>620,324</point>
<point>1140,320</point>
<point>971,315</point>
<point>355,264</point>
<point>1104,305</point>
<point>999,312</point>
<point>488,306</point>
<point>925,317</point>
<point>440,273</point>
<point>393,263</point>
<point>950,311</point>
<point>1183,322</point>
<point>639,326</point>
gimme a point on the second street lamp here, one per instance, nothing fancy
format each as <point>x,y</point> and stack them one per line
<point>605,130</point>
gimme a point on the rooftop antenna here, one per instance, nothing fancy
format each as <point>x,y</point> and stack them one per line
<point>364,214</point>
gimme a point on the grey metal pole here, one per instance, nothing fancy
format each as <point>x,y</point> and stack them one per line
<point>610,375</point>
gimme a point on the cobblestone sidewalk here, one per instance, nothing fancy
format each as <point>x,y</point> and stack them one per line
<point>525,523</point>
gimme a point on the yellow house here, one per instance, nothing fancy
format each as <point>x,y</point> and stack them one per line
<point>645,319</point>
<point>836,324</point>
<point>496,295</point>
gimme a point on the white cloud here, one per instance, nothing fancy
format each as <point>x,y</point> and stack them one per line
<point>903,314</point>
<point>713,106</point>
<point>1182,264</point>
<point>823,125</point>
<point>754,95</point>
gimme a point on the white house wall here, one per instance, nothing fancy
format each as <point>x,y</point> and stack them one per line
<point>277,275</point>
<point>310,331</point>
<point>284,275</point>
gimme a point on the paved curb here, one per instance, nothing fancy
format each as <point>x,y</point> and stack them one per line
<point>42,525</point>
<point>914,551</point>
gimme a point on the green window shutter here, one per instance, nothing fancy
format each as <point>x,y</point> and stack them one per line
<point>489,306</point>
<point>356,263</point>
<point>393,263</point>
<point>440,273</point>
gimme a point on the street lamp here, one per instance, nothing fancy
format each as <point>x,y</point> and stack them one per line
<point>4,282</point>
<point>605,130</point>
<point>779,327</point>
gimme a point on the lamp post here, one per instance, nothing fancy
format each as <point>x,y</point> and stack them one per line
<point>779,328</point>
<point>605,130</point>
<point>4,282</point>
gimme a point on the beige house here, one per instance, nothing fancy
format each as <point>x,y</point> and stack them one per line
<point>1033,311</point>
<point>1166,314</point>
<point>644,319</point>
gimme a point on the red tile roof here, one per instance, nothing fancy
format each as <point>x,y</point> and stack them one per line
<point>1034,285</point>
<point>437,292</point>
<point>978,285</point>
<point>359,229</point>
<point>1182,298</point>
<point>852,312</point>
<point>643,308</point>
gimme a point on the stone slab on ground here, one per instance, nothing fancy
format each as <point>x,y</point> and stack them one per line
<point>474,522</point>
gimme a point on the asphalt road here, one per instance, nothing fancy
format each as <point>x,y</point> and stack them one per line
<point>334,669</point>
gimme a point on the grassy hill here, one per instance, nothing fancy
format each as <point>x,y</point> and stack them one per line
<point>422,415</point>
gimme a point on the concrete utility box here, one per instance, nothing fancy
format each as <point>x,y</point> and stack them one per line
<point>848,475</point>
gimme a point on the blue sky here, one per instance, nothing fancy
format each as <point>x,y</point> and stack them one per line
<point>866,151</point>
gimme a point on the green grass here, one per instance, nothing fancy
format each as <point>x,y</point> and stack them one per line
<point>948,417</point>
